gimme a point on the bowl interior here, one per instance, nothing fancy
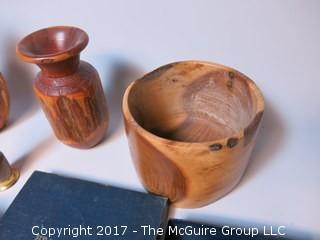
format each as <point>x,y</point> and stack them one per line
<point>52,41</point>
<point>193,102</point>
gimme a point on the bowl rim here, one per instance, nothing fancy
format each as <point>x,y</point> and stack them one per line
<point>254,89</point>
<point>55,56</point>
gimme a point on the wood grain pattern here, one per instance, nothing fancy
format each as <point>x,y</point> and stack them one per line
<point>69,90</point>
<point>191,127</point>
<point>4,102</point>
<point>79,118</point>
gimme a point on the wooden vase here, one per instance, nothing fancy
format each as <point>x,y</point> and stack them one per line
<point>69,90</point>
<point>4,102</point>
<point>191,127</point>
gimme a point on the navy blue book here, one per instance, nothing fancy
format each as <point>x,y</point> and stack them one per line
<point>51,207</point>
<point>185,230</point>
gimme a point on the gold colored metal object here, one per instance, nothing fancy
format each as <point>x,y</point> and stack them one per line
<point>8,175</point>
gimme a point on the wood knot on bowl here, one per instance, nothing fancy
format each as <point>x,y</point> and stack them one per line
<point>230,80</point>
<point>215,147</point>
<point>232,142</point>
<point>231,75</point>
<point>230,84</point>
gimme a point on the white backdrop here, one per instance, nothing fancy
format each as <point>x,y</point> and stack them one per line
<point>276,43</point>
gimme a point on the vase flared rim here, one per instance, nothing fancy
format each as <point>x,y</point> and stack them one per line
<point>53,44</point>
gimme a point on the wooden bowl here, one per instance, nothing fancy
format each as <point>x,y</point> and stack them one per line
<point>191,127</point>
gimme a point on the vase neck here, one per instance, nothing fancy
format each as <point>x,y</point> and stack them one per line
<point>61,68</point>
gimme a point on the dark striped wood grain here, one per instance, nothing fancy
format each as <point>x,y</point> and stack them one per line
<point>4,102</point>
<point>79,118</point>
<point>69,90</point>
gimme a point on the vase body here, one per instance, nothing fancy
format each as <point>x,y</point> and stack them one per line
<point>75,105</point>
<point>4,102</point>
<point>69,90</point>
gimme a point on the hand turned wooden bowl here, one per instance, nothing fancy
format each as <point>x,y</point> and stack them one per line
<point>191,127</point>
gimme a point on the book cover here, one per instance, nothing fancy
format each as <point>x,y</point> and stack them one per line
<point>54,207</point>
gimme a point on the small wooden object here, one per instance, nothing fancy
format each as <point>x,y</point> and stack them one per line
<point>8,175</point>
<point>191,127</point>
<point>69,89</point>
<point>4,102</point>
